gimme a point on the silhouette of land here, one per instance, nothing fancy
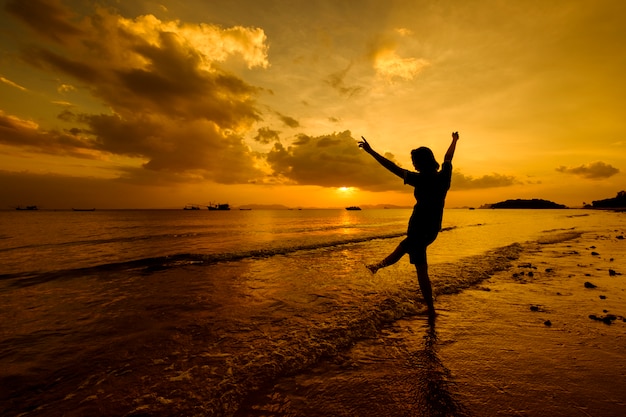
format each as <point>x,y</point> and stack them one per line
<point>534,203</point>
<point>618,201</point>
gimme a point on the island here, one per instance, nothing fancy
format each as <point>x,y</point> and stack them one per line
<point>618,201</point>
<point>534,203</point>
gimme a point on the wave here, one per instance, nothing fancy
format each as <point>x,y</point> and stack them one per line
<point>198,235</point>
<point>157,263</point>
<point>100,241</point>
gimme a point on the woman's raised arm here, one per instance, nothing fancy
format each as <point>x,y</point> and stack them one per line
<point>452,148</point>
<point>395,169</point>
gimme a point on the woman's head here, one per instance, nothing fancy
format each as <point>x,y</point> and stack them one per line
<point>424,160</point>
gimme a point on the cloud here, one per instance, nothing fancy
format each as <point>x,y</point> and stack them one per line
<point>171,103</point>
<point>64,88</point>
<point>26,134</point>
<point>288,121</point>
<point>12,84</point>
<point>594,171</point>
<point>337,81</point>
<point>332,160</point>
<point>267,135</point>
<point>388,63</point>
<point>467,182</point>
<point>195,146</point>
<point>47,17</point>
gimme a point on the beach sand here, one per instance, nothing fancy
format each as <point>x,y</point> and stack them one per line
<point>532,340</point>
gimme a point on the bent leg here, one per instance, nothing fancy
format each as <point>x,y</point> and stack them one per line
<point>393,257</point>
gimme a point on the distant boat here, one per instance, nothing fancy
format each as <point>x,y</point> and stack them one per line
<point>353,208</point>
<point>191,207</point>
<point>83,209</point>
<point>27,208</point>
<point>218,207</point>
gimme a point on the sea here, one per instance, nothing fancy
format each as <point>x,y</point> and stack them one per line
<point>188,312</point>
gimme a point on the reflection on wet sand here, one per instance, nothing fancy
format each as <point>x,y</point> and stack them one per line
<point>434,386</point>
<point>397,374</point>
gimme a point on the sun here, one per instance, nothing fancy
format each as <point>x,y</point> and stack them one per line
<point>345,191</point>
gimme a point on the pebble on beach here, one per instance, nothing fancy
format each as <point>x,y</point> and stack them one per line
<point>608,319</point>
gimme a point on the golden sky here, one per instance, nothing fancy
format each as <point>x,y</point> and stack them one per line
<point>142,104</point>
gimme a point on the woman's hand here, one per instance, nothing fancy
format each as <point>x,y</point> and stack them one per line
<point>364,145</point>
<point>391,166</point>
<point>452,148</point>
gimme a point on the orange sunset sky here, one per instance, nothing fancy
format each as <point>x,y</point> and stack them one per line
<point>156,104</point>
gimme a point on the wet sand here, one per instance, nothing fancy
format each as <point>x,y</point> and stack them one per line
<point>533,340</point>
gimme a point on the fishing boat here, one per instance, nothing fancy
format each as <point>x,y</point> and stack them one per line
<point>83,209</point>
<point>27,208</point>
<point>351,208</point>
<point>218,207</point>
<point>191,207</point>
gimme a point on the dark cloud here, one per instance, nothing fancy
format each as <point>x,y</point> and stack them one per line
<point>45,59</point>
<point>594,171</point>
<point>466,182</point>
<point>47,17</point>
<point>331,161</point>
<point>170,102</point>
<point>27,135</point>
<point>289,121</point>
<point>198,146</point>
<point>267,135</point>
<point>174,83</point>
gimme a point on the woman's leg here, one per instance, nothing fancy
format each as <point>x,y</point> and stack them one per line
<point>393,257</point>
<point>425,286</point>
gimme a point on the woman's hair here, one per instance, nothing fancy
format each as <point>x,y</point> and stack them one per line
<point>424,160</point>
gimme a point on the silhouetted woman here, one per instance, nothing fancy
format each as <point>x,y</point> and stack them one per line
<point>431,186</point>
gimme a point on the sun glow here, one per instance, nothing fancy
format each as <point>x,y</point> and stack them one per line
<point>345,191</point>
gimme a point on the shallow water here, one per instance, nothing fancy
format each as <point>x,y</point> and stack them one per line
<point>161,312</point>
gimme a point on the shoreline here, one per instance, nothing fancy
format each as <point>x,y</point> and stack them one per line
<point>520,343</point>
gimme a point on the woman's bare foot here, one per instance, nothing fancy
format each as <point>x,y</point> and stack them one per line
<point>373,268</point>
